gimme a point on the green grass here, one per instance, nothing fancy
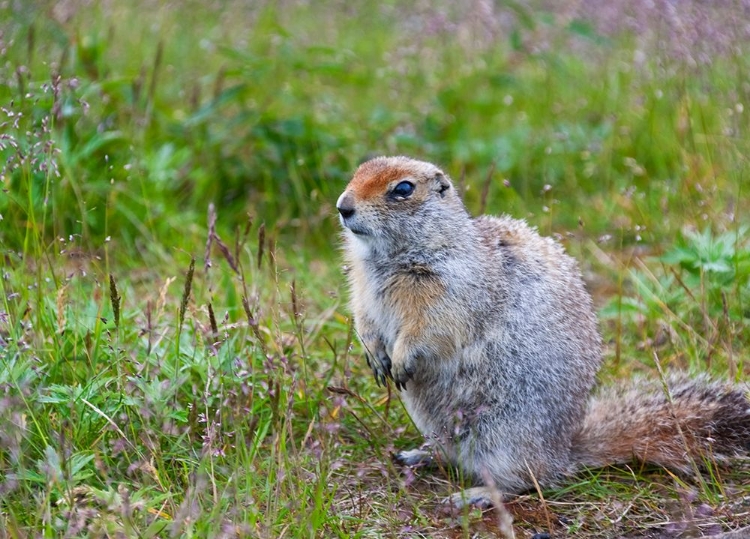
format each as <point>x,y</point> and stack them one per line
<point>136,400</point>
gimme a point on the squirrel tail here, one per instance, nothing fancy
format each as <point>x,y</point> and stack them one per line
<point>675,425</point>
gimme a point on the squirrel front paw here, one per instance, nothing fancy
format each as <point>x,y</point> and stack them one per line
<point>380,362</point>
<point>403,365</point>
<point>402,373</point>
<point>400,368</point>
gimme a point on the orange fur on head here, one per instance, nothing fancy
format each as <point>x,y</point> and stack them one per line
<point>373,177</point>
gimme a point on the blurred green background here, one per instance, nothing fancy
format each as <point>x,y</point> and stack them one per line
<point>148,110</point>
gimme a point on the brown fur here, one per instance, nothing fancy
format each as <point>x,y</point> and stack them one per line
<point>678,426</point>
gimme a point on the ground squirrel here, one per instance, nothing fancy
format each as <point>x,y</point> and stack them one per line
<point>488,331</point>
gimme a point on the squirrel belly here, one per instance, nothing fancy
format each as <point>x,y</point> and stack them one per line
<point>488,331</point>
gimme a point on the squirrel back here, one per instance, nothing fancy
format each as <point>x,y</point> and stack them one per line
<point>488,331</point>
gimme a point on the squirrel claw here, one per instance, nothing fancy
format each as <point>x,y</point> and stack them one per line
<point>380,364</point>
<point>402,375</point>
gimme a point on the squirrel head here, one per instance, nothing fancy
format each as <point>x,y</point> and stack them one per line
<point>397,203</point>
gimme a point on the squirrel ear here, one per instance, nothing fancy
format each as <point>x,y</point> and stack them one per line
<point>442,183</point>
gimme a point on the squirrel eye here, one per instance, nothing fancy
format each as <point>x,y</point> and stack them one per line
<point>403,190</point>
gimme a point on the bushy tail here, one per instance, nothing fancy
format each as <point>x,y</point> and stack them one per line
<point>694,419</point>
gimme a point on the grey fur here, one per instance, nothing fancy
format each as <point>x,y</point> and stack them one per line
<point>488,330</point>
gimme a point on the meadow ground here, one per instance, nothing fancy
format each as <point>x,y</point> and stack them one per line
<point>176,356</point>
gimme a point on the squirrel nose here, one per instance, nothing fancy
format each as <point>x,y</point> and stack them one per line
<point>345,205</point>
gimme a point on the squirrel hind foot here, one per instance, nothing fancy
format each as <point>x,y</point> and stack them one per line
<point>481,497</point>
<point>414,458</point>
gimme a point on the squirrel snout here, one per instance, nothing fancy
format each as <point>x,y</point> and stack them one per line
<point>345,205</point>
